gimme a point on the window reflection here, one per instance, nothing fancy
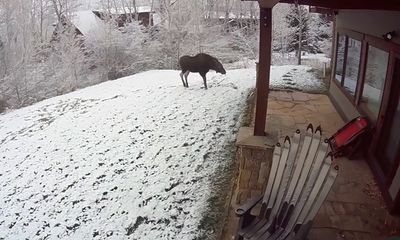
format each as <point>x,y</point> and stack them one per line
<point>340,57</point>
<point>352,65</point>
<point>375,76</point>
<point>393,142</point>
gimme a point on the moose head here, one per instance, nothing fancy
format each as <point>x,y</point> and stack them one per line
<point>217,66</point>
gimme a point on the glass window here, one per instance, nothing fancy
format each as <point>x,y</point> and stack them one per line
<point>340,57</point>
<point>392,146</point>
<point>352,65</point>
<point>375,76</point>
<point>388,150</point>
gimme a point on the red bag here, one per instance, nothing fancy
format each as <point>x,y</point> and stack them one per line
<point>348,136</point>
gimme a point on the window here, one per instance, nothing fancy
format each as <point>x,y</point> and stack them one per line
<point>374,82</point>
<point>352,65</point>
<point>391,149</point>
<point>341,47</point>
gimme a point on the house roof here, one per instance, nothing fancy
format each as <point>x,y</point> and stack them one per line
<point>393,5</point>
<point>139,9</point>
<point>231,15</point>
<point>87,22</point>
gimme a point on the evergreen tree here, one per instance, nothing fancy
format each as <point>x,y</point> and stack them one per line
<point>298,20</point>
<point>321,35</point>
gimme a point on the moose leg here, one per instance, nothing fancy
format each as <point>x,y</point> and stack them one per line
<point>183,81</point>
<point>203,75</point>
<point>186,77</point>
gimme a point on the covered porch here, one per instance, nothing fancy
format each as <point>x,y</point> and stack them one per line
<point>263,75</point>
<point>354,208</point>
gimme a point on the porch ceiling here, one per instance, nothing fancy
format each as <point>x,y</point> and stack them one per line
<point>393,5</point>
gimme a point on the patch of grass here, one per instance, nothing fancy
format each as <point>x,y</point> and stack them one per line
<point>249,110</point>
<point>213,221</point>
<point>132,228</point>
<point>3,105</point>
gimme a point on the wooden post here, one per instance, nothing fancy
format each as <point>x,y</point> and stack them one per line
<point>264,66</point>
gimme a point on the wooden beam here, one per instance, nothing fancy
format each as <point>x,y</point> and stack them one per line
<point>351,4</point>
<point>392,5</point>
<point>263,74</point>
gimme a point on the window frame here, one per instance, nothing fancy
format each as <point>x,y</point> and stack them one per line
<point>356,36</point>
<point>377,125</point>
<point>337,81</point>
<point>366,41</point>
<point>361,107</point>
<point>354,98</point>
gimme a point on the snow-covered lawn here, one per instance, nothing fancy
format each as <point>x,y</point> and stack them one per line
<point>131,158</point>
<point>294,77</point>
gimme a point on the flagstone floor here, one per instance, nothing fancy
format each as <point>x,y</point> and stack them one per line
<point>354,208</point>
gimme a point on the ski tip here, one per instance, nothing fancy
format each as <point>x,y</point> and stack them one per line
<point>318,129</point>
<point>310,126</point>
<point>287,139</point>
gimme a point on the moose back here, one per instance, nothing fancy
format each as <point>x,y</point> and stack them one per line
<point>201,63</point>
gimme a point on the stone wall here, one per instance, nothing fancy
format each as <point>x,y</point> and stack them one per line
<point>254,154</point>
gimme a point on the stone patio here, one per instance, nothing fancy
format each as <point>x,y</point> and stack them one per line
<point>354,208</point>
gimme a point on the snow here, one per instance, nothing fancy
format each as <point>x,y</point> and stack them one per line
<point>317,60</point>
<point>231,15</point>
<point>141,150</point>
<point>131,158</point>
<point>319,56</point>
<point>372,98</point>
<point>87,22</point>
<point>350,84</point>
<point>296,77</point>
<point>157,19</point>
<point>120,10</point>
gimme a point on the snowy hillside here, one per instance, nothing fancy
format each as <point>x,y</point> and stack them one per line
<point>131,158</point>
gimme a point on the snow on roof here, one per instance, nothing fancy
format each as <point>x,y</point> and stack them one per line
<point>87,22</point>
<point>139,9</point>
<point>231,15</point>
<point>144,9</point>
<point>156,19</point>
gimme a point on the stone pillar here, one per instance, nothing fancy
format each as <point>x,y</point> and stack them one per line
<point>254,154</point>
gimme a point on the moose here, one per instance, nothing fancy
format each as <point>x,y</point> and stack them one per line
<point>201,63</point>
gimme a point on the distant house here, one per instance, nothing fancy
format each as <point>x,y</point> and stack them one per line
<point>143,14</point>
<point>233,21</point>
<point>89,22</point>
<point>83,22</point>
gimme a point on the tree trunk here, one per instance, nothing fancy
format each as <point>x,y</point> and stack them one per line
<point>300,34</point>
<point>299,50</point>
<point>57,10</point>
<point>41,21</point>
